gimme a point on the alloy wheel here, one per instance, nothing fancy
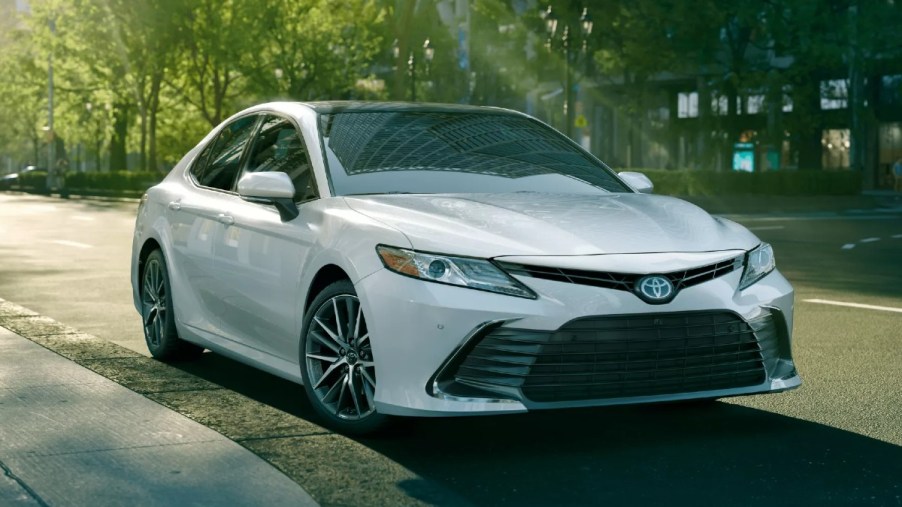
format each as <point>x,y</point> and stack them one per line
<point>339,359</point>
<point>154,301</point>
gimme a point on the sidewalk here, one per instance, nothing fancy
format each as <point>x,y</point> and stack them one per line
<point>73,438</point>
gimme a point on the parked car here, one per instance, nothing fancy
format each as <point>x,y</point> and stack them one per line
<point>8,180</point>
<point>432,260</point>
<point>30,178</point>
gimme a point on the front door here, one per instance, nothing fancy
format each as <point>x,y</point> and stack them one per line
<point>260,258</point>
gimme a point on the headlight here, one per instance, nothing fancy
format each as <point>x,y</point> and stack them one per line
<point>758,263</point>
<point>477,274</point>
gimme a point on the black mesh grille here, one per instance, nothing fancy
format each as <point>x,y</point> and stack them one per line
<point>621,356</point>
<point>623,281</point>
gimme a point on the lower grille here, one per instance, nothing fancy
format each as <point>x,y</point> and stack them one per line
<point>620,356</point>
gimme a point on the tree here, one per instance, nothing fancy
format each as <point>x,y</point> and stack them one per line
<point>221,39</point>
<point>316,49</point>
<point>23,99</point>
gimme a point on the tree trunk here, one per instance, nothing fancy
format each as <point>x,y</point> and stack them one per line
<point>154,105</point>
<point>807,126</point>
<point>118,160</point>
<point>142,111</point>
<point>36,145</point>
<point>402,33</point>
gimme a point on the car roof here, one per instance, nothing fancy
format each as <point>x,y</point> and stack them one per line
<point>349,106</point>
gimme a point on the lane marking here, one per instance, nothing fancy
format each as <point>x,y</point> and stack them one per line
<point>742,218</point>
<point>83,218</point>
<point>767,228</point>
<point>869,240</point>
<point>854,305</point>
<point>897,236</point>
<point>75,244</point>
<point>848,246</point>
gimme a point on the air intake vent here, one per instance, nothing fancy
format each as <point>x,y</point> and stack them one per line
<point>621,356</point>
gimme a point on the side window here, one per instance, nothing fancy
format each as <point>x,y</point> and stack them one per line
<point>219,163</point>
<point>200,163</point>
<point>278,146</point>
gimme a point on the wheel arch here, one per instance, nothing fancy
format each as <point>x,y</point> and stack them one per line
<point>327,275</point>
<point>149,246</point>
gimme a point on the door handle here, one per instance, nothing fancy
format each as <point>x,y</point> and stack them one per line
<point>175,206</point>
<point>226,219</point>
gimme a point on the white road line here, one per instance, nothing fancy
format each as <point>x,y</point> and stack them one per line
<point>767,228</point>
<point>854,305</point>
<point>848,246</point>
<point>75,244</point>
<point>83,218</point>
<point>897,236</point>
<point>744,218</point>
<point>869,240</point>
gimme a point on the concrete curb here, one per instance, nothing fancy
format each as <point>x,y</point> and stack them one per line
<point>71,437</point>
<point>334,469</point>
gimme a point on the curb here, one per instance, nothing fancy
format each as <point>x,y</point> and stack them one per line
<point>333,469</point>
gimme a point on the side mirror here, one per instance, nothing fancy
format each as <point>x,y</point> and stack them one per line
<point>638,181</point>
<point>273,188</point>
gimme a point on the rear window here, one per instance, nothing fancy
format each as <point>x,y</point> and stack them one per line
<point>376,152</point>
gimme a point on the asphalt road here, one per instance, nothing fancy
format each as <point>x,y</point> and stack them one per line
<point>835,441</point>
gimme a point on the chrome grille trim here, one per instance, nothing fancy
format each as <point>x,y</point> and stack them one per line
<point>623,281</point>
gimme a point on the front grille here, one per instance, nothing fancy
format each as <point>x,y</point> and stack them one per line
<point>623,281</point>
<point>621,356</point>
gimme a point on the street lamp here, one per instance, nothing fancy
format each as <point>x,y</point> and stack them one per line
<point>51,145</point>
<point>428,55</point>
<point>564,43</point>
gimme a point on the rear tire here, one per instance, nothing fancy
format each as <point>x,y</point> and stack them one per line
<point>158,314</point>
<point>337,362</point>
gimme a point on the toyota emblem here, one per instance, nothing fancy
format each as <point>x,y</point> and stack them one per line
<point>655,289</point>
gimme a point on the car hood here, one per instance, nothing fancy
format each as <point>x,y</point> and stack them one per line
<point>528,223</point>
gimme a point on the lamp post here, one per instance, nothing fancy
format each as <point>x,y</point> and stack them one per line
<point>564,43</point>
<point>428,55</point>
<point>89,109</point>
<point>51,144</point>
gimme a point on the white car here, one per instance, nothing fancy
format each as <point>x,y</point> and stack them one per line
<point>433,260</point>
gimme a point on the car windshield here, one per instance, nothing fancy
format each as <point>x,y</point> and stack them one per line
<point>381,152</point>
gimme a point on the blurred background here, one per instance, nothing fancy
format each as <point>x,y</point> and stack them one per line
<point>791,96</point>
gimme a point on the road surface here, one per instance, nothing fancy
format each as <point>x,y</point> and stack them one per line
<point>835,441</point>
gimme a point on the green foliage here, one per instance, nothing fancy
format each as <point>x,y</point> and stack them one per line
<point>172,68</point>
<point>321,47</point>
<point>102,183</point>
<point>33,181</point>
<point>168,70</point>
<point>22,98</point>
<point>115,181</point>
<point>711,183</point>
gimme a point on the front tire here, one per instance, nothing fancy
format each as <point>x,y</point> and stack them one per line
<point>158,315</point>
<point>337,362</point>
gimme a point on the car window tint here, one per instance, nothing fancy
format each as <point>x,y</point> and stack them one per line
<point>200,163</point>
<point>279,147</point>
<point>224,159</point>
<point>439,152</point>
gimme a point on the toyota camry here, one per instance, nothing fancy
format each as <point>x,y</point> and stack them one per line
<point>433,260</point>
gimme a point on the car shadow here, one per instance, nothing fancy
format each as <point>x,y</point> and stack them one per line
<point>710,453</point>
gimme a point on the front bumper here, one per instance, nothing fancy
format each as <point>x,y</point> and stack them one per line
<point>422,332</point>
